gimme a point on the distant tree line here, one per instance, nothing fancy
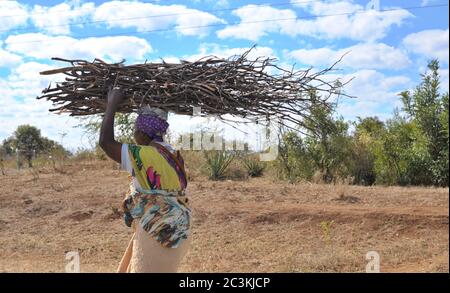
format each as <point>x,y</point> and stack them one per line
<point>27,143</point>
<point>411,148</point>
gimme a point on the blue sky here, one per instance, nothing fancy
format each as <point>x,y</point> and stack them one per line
<point>388,48</point>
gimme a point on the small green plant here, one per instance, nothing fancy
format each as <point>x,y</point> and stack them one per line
<point>254,167</point>
<point>326,229</point>
<point>217,163</point>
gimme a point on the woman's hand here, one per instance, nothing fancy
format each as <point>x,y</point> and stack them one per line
<point>114,98</point>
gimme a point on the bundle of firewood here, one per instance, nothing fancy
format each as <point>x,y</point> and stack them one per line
<point>238,86</point>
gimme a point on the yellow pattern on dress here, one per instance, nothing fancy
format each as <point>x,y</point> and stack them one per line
<point>151,157</point>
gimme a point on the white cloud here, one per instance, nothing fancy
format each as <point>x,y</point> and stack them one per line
<point>351,23</point>
<point>148,16</point>
<point>222,3</point>
<point>8,59</point>
<point>365,25</point>
<point>226,52</point>
<point>12,15</point>
<point>326,7</point>
<point>444,79</point>
<point>428,2</point>
<point>25,79</point>
<point>168,59</point>
<point>371,84</point>
<point>143,16</point>
<point>212,49</point>
<point>351,110</point>
<point>215,3</point>
<point>40,46</point>
<point>18,105</point>
<point>376,93</point>
<point>206,50</point>
<point>254,31</point>
<point>429,43</point>
<point>56,19</point>
<point>360,56</point>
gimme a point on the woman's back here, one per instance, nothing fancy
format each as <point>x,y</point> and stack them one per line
<point>154,167</point>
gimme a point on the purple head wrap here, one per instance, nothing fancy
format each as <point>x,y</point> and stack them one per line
<point>152,125</point>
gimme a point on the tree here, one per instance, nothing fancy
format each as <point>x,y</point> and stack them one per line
<point>329,143</point>
<point>28,141</point>
<point>369,125</point>
<point>403,157</point>
<point>123,124</point>
<point>428,108</point>
<point>8,146</point>
<point>293,159</point>
<point>52,147</point>
<point>444,166</point>
<point>367,137</point>
<point>326,148</point>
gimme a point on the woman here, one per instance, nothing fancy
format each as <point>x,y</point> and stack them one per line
<point>156,205</point>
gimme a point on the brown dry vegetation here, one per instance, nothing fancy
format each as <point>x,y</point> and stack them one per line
<point>255,225</point>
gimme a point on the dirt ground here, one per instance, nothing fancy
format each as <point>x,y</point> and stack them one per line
<point>256,225</point>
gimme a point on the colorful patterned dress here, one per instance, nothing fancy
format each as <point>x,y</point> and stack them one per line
<point>157,199</point>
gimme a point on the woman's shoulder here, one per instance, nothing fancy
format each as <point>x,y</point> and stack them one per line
<point>167,146</point>
<point>155,144</point>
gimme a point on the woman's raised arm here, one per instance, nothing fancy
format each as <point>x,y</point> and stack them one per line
<point>107,142</point>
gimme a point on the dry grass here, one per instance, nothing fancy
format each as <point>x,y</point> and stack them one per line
<point>254,225</point>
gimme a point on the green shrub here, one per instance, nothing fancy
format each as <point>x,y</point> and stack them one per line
<point>254,167</point>
<point>217,163</point>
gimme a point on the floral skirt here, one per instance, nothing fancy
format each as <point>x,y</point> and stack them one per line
<point>165,216</point>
